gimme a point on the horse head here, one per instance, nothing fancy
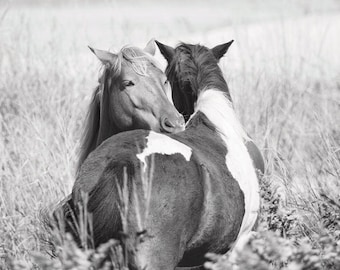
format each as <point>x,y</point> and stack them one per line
<point>189,67</point>
<point>133,94</point>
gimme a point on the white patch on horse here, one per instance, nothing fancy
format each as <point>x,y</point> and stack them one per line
<point>219,110</point>
<point>161,144</point>
<point>168,93</point>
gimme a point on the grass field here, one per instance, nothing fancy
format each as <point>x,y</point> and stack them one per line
<point>283,72</point>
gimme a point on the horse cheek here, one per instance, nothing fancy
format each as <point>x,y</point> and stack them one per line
<point>122,112</point>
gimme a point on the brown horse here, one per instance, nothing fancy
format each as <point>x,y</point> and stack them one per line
<point>201,192</point>
<point>133,94</point>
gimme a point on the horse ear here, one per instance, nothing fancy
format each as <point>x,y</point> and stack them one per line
<point>221,49</point>
<point>150,47</point>
<point>167,51</point>
<point>104,56</point>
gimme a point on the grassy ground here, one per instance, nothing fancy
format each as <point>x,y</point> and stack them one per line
<point>284,77</point>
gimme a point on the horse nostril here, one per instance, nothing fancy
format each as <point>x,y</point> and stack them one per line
<point>172,125</point>
<point>168,123</point>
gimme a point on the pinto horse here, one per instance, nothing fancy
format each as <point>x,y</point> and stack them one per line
<point>204,192</point>
<point>184,91</point>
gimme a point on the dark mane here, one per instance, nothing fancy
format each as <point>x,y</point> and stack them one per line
<point>193,69</point>
<point>89,140</point>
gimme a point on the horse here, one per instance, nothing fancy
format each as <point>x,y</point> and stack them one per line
<point>186,193</point>
<point>133,93</point>
<point>184,101</point>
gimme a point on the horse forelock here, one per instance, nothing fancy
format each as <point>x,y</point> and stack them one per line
<point>134,57</point>
<point>186,68</point>
<point>138,60</point>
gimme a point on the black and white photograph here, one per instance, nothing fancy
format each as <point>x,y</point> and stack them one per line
<point>169,135</point>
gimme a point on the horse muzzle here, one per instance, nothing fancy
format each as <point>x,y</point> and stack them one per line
<point>172,124</point>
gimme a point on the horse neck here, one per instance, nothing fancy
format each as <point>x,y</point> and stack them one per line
<point>205,74</point>
<point>211,78</point>
<point>217,107</point>
<point>98,126</point>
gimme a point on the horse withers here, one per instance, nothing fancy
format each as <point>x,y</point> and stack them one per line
<point>203,192</point>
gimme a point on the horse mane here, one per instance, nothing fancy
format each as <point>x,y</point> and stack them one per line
<point>98,123</point>
<point>90,132</point>
<point>197,65</point>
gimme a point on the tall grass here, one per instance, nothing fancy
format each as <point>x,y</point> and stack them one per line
<point>283,76</point>
<point>288,98</point>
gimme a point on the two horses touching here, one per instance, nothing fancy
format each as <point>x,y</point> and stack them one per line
<point>184,192</point>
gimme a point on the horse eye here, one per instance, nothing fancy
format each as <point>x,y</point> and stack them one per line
<point>128,83</point>
<point>166,82</point>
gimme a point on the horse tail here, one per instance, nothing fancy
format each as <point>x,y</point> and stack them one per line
<point>57,221</point>
<point>64,218</point>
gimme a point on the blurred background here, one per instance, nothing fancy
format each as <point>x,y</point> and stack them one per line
<point>106,23</point>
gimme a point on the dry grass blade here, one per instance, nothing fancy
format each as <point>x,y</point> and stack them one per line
<point>3,14</point>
